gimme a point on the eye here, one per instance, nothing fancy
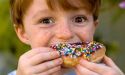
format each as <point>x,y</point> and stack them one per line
<point>47,20</point>
<point>79,19</point>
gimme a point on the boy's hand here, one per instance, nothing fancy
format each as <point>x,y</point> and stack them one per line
<point>41,61</point>
<point>89,68</point>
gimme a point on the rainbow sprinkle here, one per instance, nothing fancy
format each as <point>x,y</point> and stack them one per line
<point>78,49</point>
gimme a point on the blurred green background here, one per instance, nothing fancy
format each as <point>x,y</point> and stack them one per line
<point>111,32</point>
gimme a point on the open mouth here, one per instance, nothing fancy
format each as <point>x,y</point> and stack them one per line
<point>77,49</point>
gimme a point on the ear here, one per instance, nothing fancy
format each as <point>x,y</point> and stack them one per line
<point>22,35</point>
<point>96,23</point>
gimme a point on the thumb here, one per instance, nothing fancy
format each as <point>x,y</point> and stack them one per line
<point>108,61</point>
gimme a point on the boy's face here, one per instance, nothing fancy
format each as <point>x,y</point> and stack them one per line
<point>43,26</point>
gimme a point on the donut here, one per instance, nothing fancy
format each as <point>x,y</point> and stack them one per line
<point>71,53</point>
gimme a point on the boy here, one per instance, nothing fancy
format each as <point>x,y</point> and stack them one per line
<point>40,23</point>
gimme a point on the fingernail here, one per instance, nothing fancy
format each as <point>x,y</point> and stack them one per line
<point>82,60</point>
<point>61,53</point>
<point>59,67</point>
<point>60,61</point>
<point>57,52</point>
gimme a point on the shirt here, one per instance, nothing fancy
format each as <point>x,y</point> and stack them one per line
<point>69,73</point>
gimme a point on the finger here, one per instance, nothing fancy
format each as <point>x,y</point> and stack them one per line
<point>35,51</point>
<point>42,57</point>
<point>108,61</point>
<point>98,68</point>
<point>51,71</point>
<point>84,71</point>
<point>47,65</point>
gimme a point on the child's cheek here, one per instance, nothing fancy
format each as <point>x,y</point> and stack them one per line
<point>41,39</point>
<point>85,35</point>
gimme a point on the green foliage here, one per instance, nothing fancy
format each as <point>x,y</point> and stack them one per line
<point>8,39</point>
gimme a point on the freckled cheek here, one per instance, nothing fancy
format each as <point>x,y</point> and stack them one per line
<point>85,35</point>
<point>41,39</point>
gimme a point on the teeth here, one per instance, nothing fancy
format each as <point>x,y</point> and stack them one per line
<point>77,49</point>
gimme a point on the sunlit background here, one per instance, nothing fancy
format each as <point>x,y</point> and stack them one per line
<point>111,32</point>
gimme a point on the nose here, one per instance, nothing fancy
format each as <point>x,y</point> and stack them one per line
<point>64,32</point>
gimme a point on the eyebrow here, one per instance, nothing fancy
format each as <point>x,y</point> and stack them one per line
<point>45,11</point>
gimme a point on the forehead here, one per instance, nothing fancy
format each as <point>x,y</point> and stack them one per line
<point>65,5</point>
<point>42,7</point>
<point>68,4</point>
